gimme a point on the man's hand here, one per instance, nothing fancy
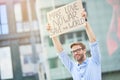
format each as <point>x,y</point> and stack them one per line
<point>84,14</point>
<point>91,35</point>
<point>48,27</point>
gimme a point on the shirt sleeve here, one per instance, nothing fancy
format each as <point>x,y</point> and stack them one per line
<point>68,63</point>
<point>95,52</point>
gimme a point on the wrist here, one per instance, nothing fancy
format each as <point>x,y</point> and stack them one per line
<point>86,24</point>
<point>86,19</point>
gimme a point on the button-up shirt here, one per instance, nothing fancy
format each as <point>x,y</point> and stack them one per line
<point>90,69</point>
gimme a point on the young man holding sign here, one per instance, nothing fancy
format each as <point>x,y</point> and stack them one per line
<point>85,68</point>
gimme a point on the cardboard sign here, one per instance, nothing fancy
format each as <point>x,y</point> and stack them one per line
<point>66,18</point>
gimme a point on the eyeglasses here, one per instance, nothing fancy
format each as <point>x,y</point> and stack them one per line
<point>79,49</point>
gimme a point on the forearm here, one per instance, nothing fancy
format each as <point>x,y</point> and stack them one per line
<point>90,33</point>
<point>57,44</point>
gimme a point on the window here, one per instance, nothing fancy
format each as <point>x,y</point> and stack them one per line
<point>18,17</point>
<point>62,39</point>
<point>85,35</point>
<point>50,41</point>
<point>79,36</point>
<point>43,17</point>
<point>23,23</point>
<point>70,37</point>
<point>5,63</point>
<point>3,20</point>
<point>53,62</point>
<point>27,60</point>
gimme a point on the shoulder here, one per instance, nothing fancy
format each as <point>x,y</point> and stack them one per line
<point>93,44</point>
<point>63,53</point>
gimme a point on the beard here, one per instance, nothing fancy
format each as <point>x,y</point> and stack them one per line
<point>79,57</point>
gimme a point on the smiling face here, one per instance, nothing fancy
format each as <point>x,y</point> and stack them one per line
<point>78,52</point>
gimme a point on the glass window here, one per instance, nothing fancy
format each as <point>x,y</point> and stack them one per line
<point>18,17</point>
<point>39,51</point>
<point>70,37</point>
<point>27,60</point>
<point>43,15</point>
<point>62,39</point>
<point>22,18</point>
<point>5,63</point>
<point>50,41</point>
<point>35,25</point>
<point>4,28</point>
<point>79,36</point>
<point>3,14</point>
<point>53,62</point>
<point>18,12</point>
<point>19,27</point>
<point>26,26</point>
<point>85,35</point>
<point>3,20</point>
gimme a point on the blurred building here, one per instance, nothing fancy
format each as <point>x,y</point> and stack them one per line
<point>100,16</point>
<point>20,44</point>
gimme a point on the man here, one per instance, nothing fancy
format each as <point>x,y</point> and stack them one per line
<point>85,68</point>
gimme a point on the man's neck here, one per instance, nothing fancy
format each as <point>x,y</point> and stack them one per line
<point>82,60</point>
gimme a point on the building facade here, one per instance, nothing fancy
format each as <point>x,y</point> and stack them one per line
<point>20,44</point>
<point>101,16</point>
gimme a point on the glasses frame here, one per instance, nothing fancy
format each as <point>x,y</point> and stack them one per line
<point>76,50</point>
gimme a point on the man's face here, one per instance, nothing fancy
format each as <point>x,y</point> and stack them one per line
<point>78,52</point>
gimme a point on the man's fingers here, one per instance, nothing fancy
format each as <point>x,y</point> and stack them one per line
<point>83,13</point>
<point>83,9</point>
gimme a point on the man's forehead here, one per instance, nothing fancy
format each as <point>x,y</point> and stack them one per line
<point>76,46</point>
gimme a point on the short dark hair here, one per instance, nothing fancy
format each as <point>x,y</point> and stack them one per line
<point>78,43</point>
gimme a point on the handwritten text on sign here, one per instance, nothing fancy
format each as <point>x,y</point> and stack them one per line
<point>66,18</point>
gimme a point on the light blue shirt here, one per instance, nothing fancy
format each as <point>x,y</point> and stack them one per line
<point>90,69</point>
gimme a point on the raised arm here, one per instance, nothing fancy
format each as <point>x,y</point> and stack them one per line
<point>56,41</point>
<point>94,48</point>
<point>62,54</point>
<point>89,31</point>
